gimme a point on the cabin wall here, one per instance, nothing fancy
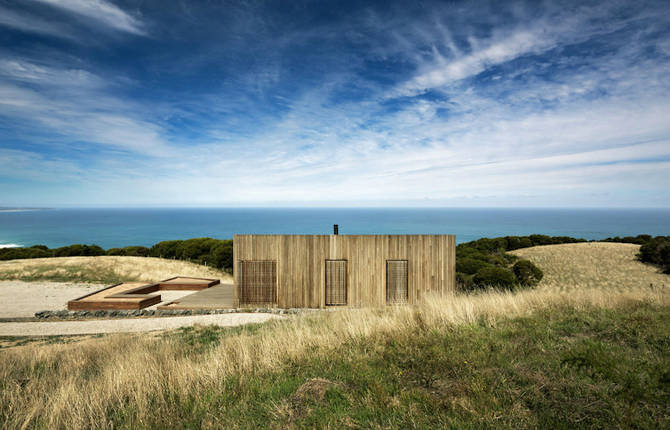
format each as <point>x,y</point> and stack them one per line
<point>301,265</point>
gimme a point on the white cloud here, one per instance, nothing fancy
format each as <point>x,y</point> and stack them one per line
<point>497,51</point>
<point>33,24</point>
<point>26,71</point>
<point>103,12</point>
<point>524,35</point>
<point>75,104</point>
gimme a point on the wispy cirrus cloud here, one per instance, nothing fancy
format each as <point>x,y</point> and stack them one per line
<point>526,35</point>
<point>511,104</point>
<point>33,24</point>
<point>75,104</point>
<point>103,12</point>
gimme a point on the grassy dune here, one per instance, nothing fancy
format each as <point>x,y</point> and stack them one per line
<point>597,357</point>
<point>103,269</point>
<point>611,266</point>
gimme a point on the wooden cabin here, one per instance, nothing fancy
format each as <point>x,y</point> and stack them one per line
<point>317,271</point>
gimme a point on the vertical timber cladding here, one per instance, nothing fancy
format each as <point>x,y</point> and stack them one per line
<point>336,282</point>
<point>396,281</point>
<point>301,265</point>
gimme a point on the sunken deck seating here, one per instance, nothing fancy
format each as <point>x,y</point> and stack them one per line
<point>187,283</point>
<point>136,295</point>
<point>117,297</point>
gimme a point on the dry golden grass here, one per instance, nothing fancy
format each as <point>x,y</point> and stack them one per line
<point>611,266</point>
<point>104,269</point>
<point>76,385</point>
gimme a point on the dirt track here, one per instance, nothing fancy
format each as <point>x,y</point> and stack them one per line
<point>126,325</point>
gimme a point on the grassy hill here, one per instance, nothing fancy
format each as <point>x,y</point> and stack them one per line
<point>592,265</point>
<point>597,357</point>
<point>103,269</point>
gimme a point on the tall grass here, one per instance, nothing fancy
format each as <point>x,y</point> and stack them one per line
<point>88,384</point>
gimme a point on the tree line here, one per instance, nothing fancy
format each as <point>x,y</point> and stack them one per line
<point>211,252</point>
<point>479,264</point>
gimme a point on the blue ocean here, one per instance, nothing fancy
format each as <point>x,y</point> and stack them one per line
<point>122,227</point>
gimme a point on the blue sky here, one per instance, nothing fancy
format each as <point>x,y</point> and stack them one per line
<point>470,104</point>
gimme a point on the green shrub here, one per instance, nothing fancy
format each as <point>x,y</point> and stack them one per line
<point>497,277</point>
<point>510,243</point>
<point>640,239</point>
<point>525,242</point>
<point>497,259</point>
<point>204,250</point>
<point>78,250</point>
<point>657,251</point>
<point>196,249</point>
<point>130,251</point>
<point>221,255</point>
<point>527,274</point>
<point>21,253</point>
<point>469,252</point>
<point>165,249</point>
<point>469,265</point>
<point>541,239</point>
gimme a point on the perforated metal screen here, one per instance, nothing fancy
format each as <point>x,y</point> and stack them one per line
<point>258,282</point>
<point>336,282</point>
<point>396,281</point>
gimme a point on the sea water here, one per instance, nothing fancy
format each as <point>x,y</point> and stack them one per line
<point>123,227</point>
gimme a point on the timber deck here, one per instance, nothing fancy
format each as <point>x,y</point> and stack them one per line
<point>117,297</point>
<point>217,297</point>
<point>137,295</point>
<point>187,283</point>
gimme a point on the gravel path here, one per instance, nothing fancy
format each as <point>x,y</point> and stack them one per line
<point>127,325</point>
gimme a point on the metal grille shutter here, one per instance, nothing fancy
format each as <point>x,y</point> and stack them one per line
<point>258,282</point>
<point>336,282</point>
<point>396,281</point>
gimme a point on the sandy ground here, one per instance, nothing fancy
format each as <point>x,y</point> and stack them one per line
<point>23,299</point>
<point>127,325</point>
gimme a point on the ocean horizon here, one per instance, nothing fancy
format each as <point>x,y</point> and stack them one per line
<point>118,227</point>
